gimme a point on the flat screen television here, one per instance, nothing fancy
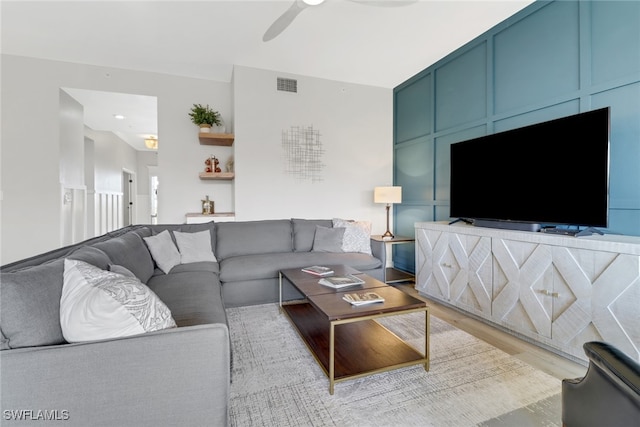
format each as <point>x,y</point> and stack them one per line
<point>538,176</point>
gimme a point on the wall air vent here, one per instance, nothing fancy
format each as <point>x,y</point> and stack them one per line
<point>287,85</point>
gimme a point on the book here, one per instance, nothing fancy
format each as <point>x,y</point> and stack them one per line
<point>339,282</point>
<point>363,298</point>
<point>318,270</point>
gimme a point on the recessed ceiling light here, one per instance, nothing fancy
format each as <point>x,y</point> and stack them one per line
<point>118,117</point>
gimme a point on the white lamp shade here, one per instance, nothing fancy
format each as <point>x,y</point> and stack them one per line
<point>387,195</point>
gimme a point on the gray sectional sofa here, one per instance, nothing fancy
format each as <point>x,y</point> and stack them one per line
<point>176,376</point>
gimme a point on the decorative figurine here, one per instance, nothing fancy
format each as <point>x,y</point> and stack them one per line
<point>207,206</point>
<point>212,164</point>
<point>229,165</point>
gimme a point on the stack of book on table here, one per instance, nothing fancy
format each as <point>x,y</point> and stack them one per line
<point>339,282</point>
<point>318,270</point>
<point>363,298</point>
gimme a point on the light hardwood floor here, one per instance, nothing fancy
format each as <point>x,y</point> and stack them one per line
<point>537,357</point>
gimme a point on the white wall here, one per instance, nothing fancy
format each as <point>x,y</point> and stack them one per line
<point>355,125</point>
<point>71,141</point>
<point>30,164</point>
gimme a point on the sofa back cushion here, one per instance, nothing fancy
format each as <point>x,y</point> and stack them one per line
<point>130,251</point>
<point>30,306</point>
<point>304,231</point>
<point>92,255</point>
<point>253,237</point>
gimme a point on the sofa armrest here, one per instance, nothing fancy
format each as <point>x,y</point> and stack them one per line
<point>178,376</point>
<point>379,250</point>
<point>608,394</point>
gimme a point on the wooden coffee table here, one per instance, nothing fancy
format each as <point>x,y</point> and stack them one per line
<point>345,340</point>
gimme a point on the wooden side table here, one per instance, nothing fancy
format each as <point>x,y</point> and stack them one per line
<point>392,274</point>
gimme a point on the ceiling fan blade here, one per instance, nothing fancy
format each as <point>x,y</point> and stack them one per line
<point>386,3</point>
<point>284,20</point>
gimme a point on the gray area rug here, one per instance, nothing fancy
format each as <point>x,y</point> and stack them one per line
<point>277,382</point>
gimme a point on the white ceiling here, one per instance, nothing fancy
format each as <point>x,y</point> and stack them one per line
<point>364,42</point>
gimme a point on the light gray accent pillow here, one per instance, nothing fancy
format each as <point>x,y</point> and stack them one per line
<point>357,235</point>
<point>328,239</point>
<point>163,251</point>
<point>194,247</point>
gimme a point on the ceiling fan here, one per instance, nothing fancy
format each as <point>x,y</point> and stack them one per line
<point>280,24</point>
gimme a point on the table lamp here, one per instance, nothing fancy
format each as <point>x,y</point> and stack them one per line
<point>387,195</point>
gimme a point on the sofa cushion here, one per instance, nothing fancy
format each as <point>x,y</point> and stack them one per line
<point>115,268</point>
<point>194,247</point>
<point>304,231</point>
<point>328,239</point>
<point>267,266</point>
<point>130,252</point>
<point>30,305</point>
<point>163,251</point>
<point>98,304</point>
<point>91,255</point>
<point>205,266</point>
<point>357,236</point>
<point>194,297</point>
<point>253,237</point>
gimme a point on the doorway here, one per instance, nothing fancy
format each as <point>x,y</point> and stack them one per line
<point>128,192</point>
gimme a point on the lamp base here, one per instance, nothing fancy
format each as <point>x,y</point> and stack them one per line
<point>387,234</point>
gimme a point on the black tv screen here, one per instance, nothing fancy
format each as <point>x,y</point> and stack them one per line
<point>555,172</point>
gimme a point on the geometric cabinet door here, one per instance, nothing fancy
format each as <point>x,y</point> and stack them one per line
<point>523,286</point>
<point>455,268</point>
<point>598,300</point>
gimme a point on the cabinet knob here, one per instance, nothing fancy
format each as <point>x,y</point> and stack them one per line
<point>549,293</point>
<point>444,264</point>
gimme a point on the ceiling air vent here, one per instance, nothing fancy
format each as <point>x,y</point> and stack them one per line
<point>287,85</point>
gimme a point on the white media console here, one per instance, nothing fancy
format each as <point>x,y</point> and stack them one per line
<point>555,290</point>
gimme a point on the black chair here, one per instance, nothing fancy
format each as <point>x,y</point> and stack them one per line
<point>608,394</point>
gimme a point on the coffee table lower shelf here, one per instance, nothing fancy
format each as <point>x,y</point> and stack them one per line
<point>354,347</point>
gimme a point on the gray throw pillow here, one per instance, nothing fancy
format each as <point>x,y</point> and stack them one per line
<point>163,251</point>
<point>328,239</point>
<point>357,235</point>
<point>30,306</point>
<point>194,247</point>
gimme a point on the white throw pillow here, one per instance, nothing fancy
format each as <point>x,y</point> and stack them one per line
<point>98,304</point>
<point>357,235</point>
<point>194,247</point>
<point>163,251</point>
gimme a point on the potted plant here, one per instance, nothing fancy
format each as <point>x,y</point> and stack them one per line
<point>204,117</point>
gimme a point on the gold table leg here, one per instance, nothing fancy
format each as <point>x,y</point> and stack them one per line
<point>332,361</point>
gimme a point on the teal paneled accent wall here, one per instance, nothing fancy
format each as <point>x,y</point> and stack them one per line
<point>550,60</point>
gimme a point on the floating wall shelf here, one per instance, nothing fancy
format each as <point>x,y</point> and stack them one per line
<point>222,139</point>
<point>223,176</point>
